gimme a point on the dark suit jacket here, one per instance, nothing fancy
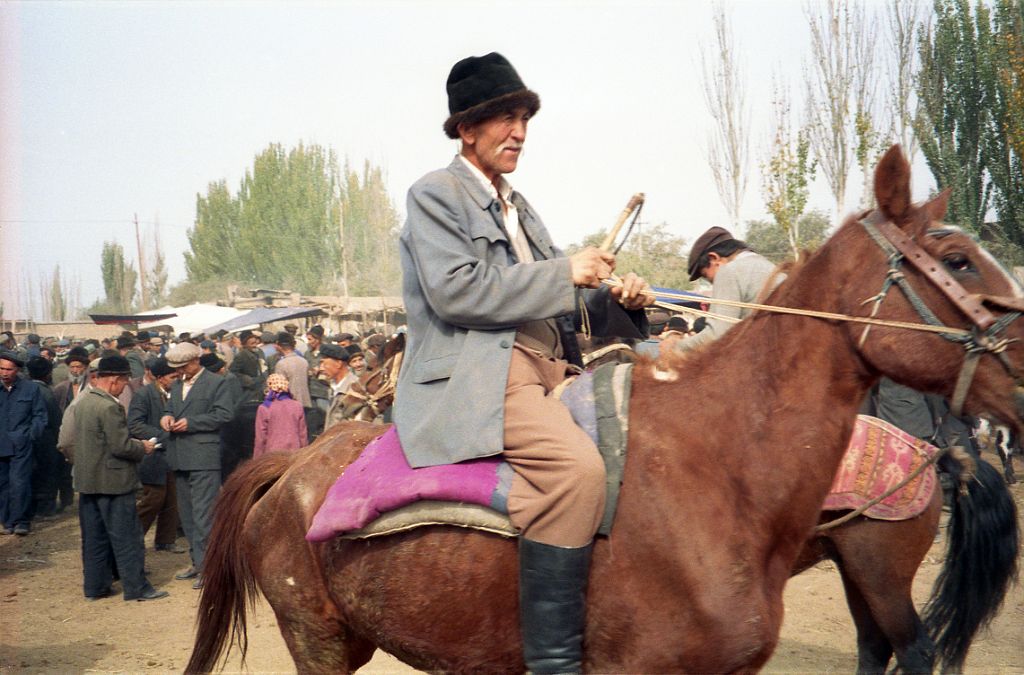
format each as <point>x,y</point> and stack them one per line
<point>207,408</point>
<point>144,413</point>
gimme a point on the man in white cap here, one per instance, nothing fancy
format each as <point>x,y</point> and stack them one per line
<point>199,405</point>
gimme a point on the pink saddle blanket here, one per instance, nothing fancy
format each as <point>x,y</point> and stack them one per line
<point>879,456</point>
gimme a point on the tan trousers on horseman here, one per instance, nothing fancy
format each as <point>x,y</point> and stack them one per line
<point>558,492</point>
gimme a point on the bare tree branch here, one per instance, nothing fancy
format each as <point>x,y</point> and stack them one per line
<point>903,17</point>
<point>830,81</point>
<point>728,148</point>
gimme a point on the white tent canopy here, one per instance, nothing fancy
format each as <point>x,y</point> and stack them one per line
<point>192,318</point>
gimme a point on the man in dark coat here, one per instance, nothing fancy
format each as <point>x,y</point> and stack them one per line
<point>23,420</point>
<point>126,344</point>
<point>159,499</point>
<point>250,367</point>
<point>106,466</point>
<point>199,405</point>
<point>48,463</point>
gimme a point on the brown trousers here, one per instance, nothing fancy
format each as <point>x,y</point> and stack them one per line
<point>159,503</point>
<point>558,492</point>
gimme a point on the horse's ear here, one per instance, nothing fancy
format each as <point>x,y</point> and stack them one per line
<point>892,185</point>
<point>936,207</point>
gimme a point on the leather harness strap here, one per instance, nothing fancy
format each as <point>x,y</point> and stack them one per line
<point>971,305</point>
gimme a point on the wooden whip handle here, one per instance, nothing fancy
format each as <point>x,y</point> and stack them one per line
<point>634,203</point>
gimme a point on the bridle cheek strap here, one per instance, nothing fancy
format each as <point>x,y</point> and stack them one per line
<point>984,337</point>
<point>971,305</point>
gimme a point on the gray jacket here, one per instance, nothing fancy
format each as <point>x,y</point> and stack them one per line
<point>208,407</point>
<point>741,280</point>
<point>464,297</point>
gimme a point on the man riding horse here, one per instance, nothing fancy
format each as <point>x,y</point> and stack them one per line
<point>492,310</point>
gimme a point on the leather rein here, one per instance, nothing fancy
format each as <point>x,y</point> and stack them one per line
<point>985,335</point>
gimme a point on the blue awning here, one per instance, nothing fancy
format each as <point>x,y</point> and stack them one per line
<point>695,303</point>
<point>262,315</point>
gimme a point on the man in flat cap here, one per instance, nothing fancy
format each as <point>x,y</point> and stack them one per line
<point>735,273</point>
<point>492,309</point>
<point>199,405</point>
<point>333,365</point>
<point>23,420</point>
<point>106,477</point>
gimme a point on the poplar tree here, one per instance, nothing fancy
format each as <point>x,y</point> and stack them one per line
<point>954,106</point>
<point>297,222</point>
<point>119,278</point>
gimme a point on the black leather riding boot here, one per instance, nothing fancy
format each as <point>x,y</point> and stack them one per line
<point>552,605</point>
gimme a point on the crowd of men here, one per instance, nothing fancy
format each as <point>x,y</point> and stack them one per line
<point>145,428</point>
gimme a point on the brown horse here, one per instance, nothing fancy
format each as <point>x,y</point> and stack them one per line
<point>706,532</point>
<point>878,559</point>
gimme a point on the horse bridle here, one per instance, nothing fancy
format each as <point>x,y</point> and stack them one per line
<point>985,334</point>
<point>389,377</point>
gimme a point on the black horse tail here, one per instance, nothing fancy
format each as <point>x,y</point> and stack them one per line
<point>981,561</point>
<point>228,582</point>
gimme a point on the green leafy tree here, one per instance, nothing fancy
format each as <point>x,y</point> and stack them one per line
<point>119,278</point>
<point>58,302</point>
<point>214,236</point>
<point>954,92</point>
<point>1003,139</point>
<point>156,276</point>
<point>371,225</point>
<point>297,222</point>
<point>768,239</point>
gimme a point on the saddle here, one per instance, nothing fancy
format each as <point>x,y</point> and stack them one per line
<point>380,494</point>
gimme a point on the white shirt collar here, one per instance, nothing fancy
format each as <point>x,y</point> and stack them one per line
<point>504,189</point>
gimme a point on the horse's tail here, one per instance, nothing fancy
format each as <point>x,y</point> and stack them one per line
<point>981,562</point>
<point>228,581</point>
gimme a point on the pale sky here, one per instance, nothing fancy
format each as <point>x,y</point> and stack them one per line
<point>108,109</point>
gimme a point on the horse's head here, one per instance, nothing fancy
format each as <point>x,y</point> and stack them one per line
<point>922,270</point>
<point>375,391</point>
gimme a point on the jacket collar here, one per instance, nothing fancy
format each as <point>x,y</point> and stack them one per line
<point>472,184</point>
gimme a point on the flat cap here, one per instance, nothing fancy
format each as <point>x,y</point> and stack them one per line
<point>332,351</point>
<point>714,236</point>
<point>182,353</point>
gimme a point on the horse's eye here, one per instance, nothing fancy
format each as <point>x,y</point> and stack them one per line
<point>958,262</point>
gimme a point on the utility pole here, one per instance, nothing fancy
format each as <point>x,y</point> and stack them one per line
<point>142,266</point>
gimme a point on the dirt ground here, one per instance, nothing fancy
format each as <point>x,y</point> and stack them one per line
<point>47,627</point>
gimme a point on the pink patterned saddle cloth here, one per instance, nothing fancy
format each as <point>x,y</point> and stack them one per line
<point>878,458</point>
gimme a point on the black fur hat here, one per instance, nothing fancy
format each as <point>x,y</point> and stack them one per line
<point>482,87</point>
<point>115,364</point>
<point>39,368</point>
